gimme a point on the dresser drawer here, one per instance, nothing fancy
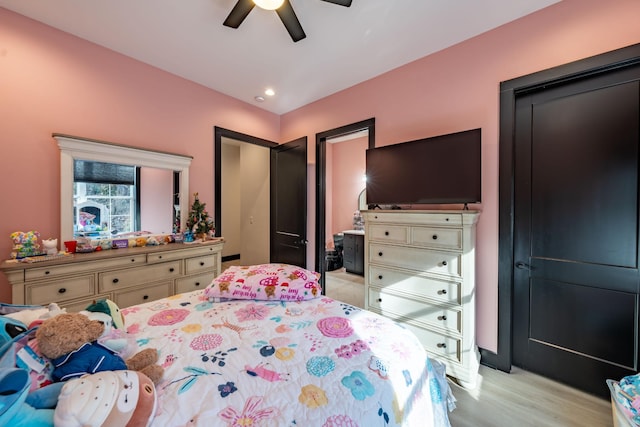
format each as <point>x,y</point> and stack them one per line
<point>415,217</point>
<point>396,307</point>
<point>115,280</point>
<point>439,345</point>
<point>65,270</point>
<point>69,288</point>
<point>446,238</point>
<point>194,283</point>
<point>141,295</point>
<point>199,264</point>
<point>76,305</point>
<point>195,250</point>
<point>422,260</point>
<point>419,286</point>
<point>388,233</point>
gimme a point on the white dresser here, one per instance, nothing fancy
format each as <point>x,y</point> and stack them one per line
<point>420,270</point>
<point>127,276</point>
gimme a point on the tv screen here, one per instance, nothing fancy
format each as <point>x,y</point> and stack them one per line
<point>438,170</point>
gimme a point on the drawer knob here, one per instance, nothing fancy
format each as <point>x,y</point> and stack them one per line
<point>443,317</point>
<point>47,272</point>
<point>62,290</point>
<point>444,263</point>
<point>379,299</point>
<point>159,256</point>
<point>116,280</point>
<point>201,263</point>
<point>380,253</point>
<point>171,270</point>
<point>145,297</point>
<point>386,233</point>
<point>380,277</point>
<point>442,292</point>
<point>133,260</point>
<point>441,345</point>
<point>435,237</point>
<point>197,283</point>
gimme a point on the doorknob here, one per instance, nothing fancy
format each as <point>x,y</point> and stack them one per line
<point>522,266</point>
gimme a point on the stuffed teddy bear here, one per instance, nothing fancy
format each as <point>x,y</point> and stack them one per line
<point>120,398</point>
<point>70,341</point>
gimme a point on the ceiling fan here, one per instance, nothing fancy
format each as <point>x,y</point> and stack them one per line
<point>282,7</point>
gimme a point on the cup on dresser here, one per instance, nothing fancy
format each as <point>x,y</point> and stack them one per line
<point>70,246</point>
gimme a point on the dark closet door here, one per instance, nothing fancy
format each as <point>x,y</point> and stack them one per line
<point>575,307</point>
<point>289,203</point>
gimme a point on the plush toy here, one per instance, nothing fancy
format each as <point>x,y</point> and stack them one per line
<point>14,411</point>
<point>117,340</point>
<point>121,398</point>
<point>70,341</point>
<point>108,307</point>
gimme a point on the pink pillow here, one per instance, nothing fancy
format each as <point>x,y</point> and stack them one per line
<point>266,282</point>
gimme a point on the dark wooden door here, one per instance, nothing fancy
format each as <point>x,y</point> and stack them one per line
<point>289,203</point>
<point>575,301</point>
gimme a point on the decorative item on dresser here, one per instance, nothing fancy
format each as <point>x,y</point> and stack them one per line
<point>127,276</point>
<point>420,270</point>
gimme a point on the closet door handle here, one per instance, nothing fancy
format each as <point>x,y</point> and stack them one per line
<point>522,266</point>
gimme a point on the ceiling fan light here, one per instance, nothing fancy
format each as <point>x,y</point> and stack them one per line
<point>268,4</point>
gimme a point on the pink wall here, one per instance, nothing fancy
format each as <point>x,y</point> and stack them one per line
<point>348,168</point>
<point>457,89</point>
<point>53,82</point>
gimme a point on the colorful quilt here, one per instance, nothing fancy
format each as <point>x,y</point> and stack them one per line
<point>318,362</point>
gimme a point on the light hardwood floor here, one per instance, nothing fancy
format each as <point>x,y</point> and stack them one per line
<point>516,399</point>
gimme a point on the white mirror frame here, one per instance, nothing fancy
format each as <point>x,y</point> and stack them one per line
<point>76,148</point>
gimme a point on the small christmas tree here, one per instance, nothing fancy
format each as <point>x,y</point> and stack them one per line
<point>198,221</point>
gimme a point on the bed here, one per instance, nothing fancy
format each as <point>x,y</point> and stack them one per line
<point>261,347</point>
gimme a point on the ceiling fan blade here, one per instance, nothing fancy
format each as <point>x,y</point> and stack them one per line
<point>238,13</point>
<point>346,3</point>
<point>290,21</point>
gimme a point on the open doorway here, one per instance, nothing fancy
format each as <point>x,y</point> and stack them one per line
<point>242,196</point>
<point>340,164</point>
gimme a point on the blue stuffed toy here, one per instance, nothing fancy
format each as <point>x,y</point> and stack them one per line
<point>14,410</point>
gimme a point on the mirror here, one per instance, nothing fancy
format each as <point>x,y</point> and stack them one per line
<point>151,162</point>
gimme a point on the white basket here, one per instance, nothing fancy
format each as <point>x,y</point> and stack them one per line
<point>620,418</point>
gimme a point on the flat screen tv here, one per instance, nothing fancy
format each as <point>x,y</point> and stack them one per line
<point>438,170</point>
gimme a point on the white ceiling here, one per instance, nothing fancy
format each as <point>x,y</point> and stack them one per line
<point>344,46</point>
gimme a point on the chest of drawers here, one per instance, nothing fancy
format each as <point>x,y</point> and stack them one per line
<point>420,271</point>
<point>127,276</point>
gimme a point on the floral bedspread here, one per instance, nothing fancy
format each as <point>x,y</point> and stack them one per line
<point>319,362</point>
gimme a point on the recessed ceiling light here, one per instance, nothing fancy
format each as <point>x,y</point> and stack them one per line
<point>259,98</point>
<point>269,92</point>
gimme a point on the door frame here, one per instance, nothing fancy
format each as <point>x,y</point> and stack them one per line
<point>509,91</point>
<point>220,133</point>
<point>321,190</point>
